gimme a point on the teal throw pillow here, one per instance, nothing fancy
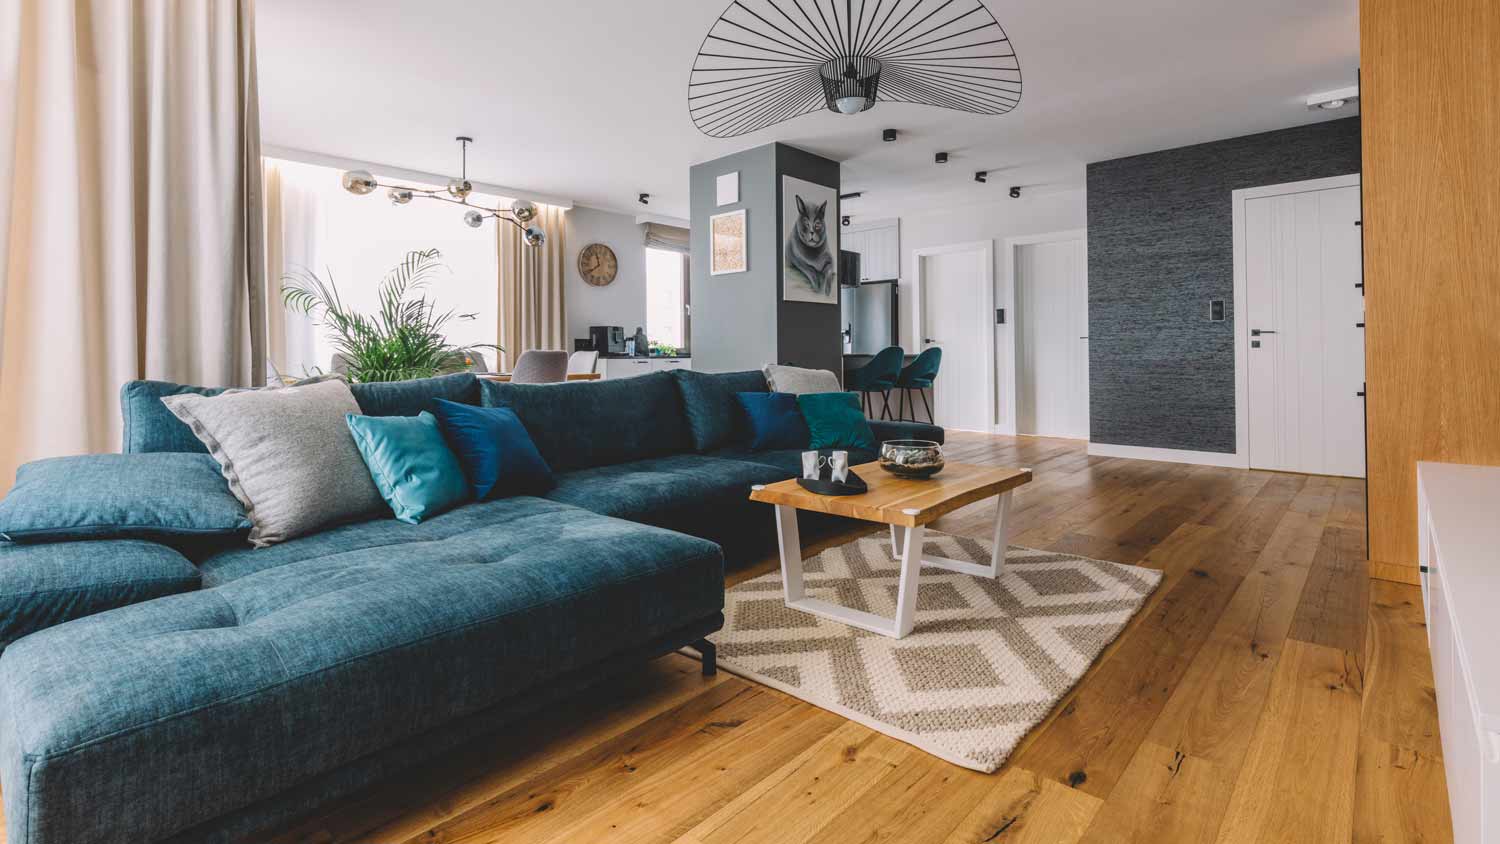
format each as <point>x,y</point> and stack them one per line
<point>836,421</point>
<point>412,466</point>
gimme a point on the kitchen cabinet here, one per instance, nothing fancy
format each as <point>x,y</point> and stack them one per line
<point>610,368</point>
<point>879,248</point>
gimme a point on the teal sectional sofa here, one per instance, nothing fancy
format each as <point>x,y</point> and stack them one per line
<point>208,693</point>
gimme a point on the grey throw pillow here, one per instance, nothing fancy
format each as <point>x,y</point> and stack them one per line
<point>287,454</point>
<point>797,381</point>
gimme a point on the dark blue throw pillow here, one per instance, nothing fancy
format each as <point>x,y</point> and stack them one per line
<point>495,450</point>
<point>157,496</point>
<point>775,421</point>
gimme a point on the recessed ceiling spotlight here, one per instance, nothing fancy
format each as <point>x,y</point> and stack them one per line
<point>940,158</point>
<point>644,199</point>
<point>1331,100</point>
<point>888,135</point>
<point>1015,191</point>
<point>844,220</point>
<point>982,176</point>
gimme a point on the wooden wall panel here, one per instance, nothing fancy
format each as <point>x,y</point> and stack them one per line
<point>1430,103</point>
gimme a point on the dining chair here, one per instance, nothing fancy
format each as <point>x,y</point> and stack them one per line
<point>918,375</point>
<point>583,362</point>
<point>878,376</point>
<point>538,366</point>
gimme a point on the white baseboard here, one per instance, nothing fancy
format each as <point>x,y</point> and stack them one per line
<point>1169,455</point>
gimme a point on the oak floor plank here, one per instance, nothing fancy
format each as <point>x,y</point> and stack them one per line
<point>1297,783</point>
<point>1025,808</point>
<point>1164,797</point>
<point>1335,603</point>
<point>1400,795</point>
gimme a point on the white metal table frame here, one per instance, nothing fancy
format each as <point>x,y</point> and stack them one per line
<point>906,546</point>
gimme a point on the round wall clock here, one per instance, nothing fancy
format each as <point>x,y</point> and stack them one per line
<point>597,264</point>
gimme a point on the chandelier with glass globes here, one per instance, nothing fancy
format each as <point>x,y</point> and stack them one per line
<point>519,214</point>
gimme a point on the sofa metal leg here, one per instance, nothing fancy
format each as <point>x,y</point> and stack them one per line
<point>710,656</point>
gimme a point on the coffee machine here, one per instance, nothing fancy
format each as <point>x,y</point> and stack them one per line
<point>607,339</point>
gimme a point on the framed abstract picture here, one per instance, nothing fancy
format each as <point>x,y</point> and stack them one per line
<point>809,242</point>
<point>726,243</point>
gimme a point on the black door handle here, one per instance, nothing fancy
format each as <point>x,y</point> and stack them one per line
<point>1256,332</point>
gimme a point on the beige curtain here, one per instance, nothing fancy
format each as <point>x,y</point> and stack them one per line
<point>531,288</point>
<point>130,227</point>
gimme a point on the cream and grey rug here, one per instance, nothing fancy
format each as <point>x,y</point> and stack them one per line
<point>987,661</point>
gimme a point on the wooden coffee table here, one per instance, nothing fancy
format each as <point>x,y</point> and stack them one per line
<point>908,506</point>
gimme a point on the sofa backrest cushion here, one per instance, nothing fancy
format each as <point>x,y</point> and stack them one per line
<point>149,426</point>
<point>714,418</point>
<point>409,398</point>
<point>579,424</point>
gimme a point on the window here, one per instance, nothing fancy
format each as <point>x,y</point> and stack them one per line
<point>667,305</point>
<point>358,239</point>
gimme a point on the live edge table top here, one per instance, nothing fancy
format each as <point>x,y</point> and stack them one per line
<point>901,501</point>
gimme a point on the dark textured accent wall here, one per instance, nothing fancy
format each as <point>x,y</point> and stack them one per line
<point>1161,245</point>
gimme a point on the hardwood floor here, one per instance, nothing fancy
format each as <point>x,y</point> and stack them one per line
<point>1269,691</point>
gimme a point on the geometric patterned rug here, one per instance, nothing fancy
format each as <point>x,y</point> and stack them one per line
<point>986,662</point>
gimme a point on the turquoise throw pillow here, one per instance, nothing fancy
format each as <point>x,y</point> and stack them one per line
<point>836,421</point>
<point>411,464</point>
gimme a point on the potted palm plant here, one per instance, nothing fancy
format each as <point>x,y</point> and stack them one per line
<point>403,340</point>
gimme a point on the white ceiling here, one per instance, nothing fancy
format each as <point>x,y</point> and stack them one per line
<point>588,100</point>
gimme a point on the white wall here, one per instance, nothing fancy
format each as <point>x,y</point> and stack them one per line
<point>623,301</point>
<point>996,221</point>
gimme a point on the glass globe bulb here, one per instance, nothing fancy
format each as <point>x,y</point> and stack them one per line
<point>523,211</point>
<point>359,182</point>
<point>474,219</point>
<point>534,236</point>
<point>850,105</point>
<point>399,196</point>
<point>460,188</point>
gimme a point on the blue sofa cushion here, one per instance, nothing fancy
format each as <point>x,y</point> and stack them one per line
<point>408,398</point>
<point>188,707</point>
<point>775,420</point>
<point>45,585</point>
<point>714,418</point>
<point>149,426</point>
<point>496,452</point>
<point>682,491</point>
<point>115,496</point>
<point>836,421</point>
<point>579,424</point>
<point>416,473</point>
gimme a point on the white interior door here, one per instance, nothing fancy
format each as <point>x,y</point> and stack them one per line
<point>1306,347</point>
<point>953,283</point>
<point>1052,326</point>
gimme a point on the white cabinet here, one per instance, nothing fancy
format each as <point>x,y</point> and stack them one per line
<point>1458,535</point>
<point>611,368</point>
<point>879,248</point>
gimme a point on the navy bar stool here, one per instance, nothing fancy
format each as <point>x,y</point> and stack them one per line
<point>878,376</point>
<point>919,375</point>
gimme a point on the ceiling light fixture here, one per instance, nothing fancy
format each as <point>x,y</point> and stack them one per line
<point>1332,100</point>
<point>888,135</point>
<point>940,158</point>
<point>520,212</point>
<point>644,199</point>
<point>765,61</point>
<point>982,176</point>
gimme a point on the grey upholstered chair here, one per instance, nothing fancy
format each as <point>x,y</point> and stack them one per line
<point>583,363</point>
<point>536,366</point>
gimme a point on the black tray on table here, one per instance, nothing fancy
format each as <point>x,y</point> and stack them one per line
<point>825,485</point>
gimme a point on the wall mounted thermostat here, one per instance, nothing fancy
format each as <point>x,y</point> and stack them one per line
<point>1216,310</point>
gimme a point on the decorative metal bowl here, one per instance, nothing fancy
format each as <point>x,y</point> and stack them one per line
<point>911,458</point>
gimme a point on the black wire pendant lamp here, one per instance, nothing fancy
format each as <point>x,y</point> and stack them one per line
<point>765,61</point>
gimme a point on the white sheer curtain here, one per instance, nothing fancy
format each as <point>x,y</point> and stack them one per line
<point>130,222</point>
<point>296,240</point>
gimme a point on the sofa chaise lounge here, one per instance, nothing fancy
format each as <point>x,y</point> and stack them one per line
<point>209,693</point>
